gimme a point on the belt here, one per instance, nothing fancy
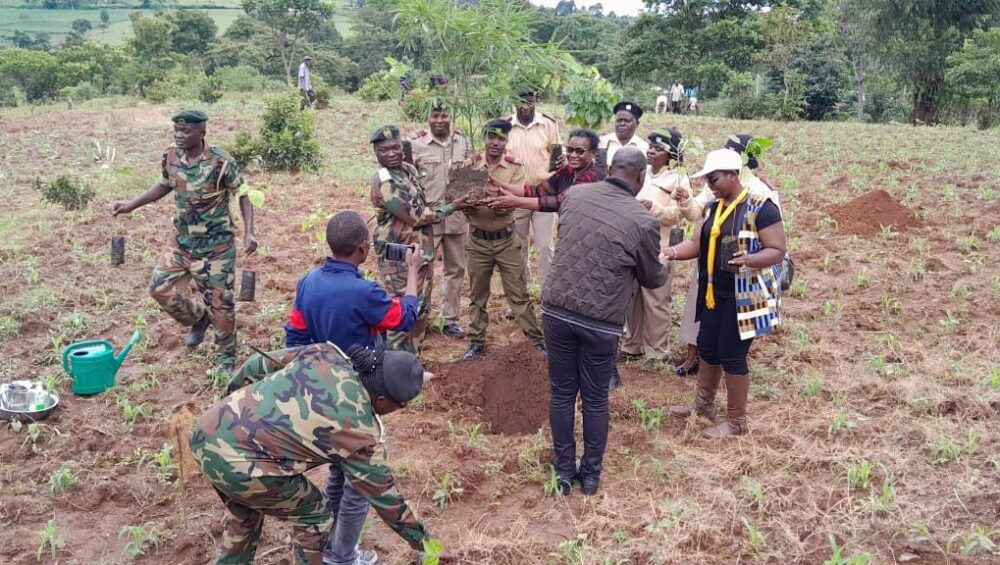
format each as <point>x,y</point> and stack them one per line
<point>493,235</point>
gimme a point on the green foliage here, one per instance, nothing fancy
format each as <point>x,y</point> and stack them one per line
<point>650,418</point>
<point>447,490</point>
<point>69,192</point>
<point>141,539</point>
<point>379,86</point>
<point>241,78</point>
<point>286,139</point>
<point>433,549</point>
<point>49,540</point>
<point>589,99</point>
<point>61,480</point>
<point>838,558</point>
<point>289,22</point>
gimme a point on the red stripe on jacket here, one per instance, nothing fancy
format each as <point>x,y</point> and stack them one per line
<point>392,317</point>
<point>296,320</point>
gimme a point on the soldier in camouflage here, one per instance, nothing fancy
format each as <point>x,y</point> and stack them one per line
<point>304,407</point>
<point>203,179</point>
<point>403,216</point>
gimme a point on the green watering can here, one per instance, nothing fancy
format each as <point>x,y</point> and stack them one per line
<point>93,364</point>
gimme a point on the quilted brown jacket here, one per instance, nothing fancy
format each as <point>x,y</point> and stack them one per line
<point>608,246</point>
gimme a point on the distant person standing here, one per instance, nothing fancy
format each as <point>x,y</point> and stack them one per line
<point>676,97</point>
<point>305,84</point>
<point>436,151</point>
<point>204,180</point>
<point>608,246</point>
<point>531,137</point>
<point>627,116</point>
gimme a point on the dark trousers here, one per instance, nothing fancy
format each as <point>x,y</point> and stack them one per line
<point>719,340</point>
<point>581,361</point>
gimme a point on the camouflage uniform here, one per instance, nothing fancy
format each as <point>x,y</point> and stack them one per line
<point>404,217</point>
<point>305,408</point>
<point>205,250</point>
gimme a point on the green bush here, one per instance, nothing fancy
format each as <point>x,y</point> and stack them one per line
<point>79,93</point>
<point>69,192</point>
<point>379,86</point>
<point>323,94</point>
<point>416,104</point>
<point>209,92</point>
<point>286,140</point>
<point>241,78</point>
<point>589,100</point>
<point>741,100</point>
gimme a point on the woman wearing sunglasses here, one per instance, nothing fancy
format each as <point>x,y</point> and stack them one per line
<point>548,196</point>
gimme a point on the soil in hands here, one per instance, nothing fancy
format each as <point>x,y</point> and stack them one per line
<point>467,181</point>
<point>866,214</point>
<point>509,386</point>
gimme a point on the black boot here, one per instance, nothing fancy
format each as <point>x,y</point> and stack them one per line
<point>196,335</point>
<point>475,351</point>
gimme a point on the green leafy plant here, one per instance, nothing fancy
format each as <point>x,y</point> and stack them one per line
<point>977,540</point>
<point>130,412</point>
<point>447,490</point>
<point>949,322</point>
<point>572,551</point>
<point>141,539</point>
<point>589,99</point>
<point>841,422</point>
<point>859,475</point>
<point>61,480</point>
<point>433,549</point>
<point>754,492</point>
<point>165,468</point>
<point>969,243</point>
<point>33,434</point>
<point>650,418</point>
<point>811,388</point>
<point>959,291</point>
<point>286,139</point>
<point>754,538</point>
<point>49,540</point>
<point>838,558</point>
<point>993,236</point>
<point>69,192</point>
<point>551,485</point>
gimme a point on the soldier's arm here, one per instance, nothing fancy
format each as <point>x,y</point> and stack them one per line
<point>234,180</point>
<point>416,216</point>
<point>375,482</point>
<point>258,366</point>
<point>154,193</point>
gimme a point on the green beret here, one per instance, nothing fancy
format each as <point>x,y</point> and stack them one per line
<point>190,117</point>
<point>384,133</point>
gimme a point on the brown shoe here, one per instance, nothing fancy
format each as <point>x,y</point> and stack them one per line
<point>737,390</point>
<point>704,397</point>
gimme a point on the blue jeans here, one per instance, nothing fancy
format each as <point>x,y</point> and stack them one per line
<point>349,509</point>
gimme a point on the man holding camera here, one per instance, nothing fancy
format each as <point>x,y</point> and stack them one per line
<point>404,218</point>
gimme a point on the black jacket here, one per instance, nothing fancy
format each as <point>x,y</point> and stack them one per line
<point>608,245</point>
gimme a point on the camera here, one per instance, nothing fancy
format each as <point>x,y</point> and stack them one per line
<point>396,252</point>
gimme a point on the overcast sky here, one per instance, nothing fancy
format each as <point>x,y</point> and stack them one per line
<point>620,7</point>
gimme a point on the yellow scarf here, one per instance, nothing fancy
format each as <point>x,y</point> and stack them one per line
<point>720,218</point>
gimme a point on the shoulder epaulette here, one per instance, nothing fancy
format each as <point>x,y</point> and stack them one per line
<point>549,117</point>
<point>384,174</point>
<point>511,159</point>
<point>419,134</point>
<point>457,132</point>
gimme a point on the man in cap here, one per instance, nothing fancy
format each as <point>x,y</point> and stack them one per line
<point>627,116</point>
<point>306,406</point>
<point>493,244</point>
<point>305,84</point>
<point>403,216</point>
<point>530,140</point>
<point>203,178</point>
<point>436,151</point>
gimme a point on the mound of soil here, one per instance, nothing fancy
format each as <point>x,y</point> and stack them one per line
<point>865,215</point>
<point>467,181</point>
<point>509,384</point>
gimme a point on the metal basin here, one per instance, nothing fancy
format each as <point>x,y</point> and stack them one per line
<point>39,403</point>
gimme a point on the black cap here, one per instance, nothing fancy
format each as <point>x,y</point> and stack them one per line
<point>403,375</point>
<point>384,133</point>
<point>497,126</point>
<point>739,144</point>
<point>669,139</point>
<point>630,107</point>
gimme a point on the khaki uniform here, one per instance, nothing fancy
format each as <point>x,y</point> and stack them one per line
<point>434,159</point>
<point>648,318</point>
<point>493,244</point>
<point>530,143</point>
<point>610,142</point>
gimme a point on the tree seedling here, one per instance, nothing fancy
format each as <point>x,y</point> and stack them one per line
<point>551,486</point>
<point>859,475</point>
<point>61,479</point>
<point>131,412</point>
<point>650,418</point>
<point>572,551</point>
<point>34,432</point>
<point>431,555</point>
<point>977,540</point>
<point>165,468</point>
<point>141,539</point>
<point>49,540</point>
<point>837,557</point>
<point>754,492</point>
<point>447,491</point>
<point>755,538</point>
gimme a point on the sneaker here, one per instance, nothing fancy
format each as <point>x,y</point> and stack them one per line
<point>453,330</point>
<point>366,557</point>
<point>196,335</point>
<point>588,485</point>
<point>508,314</point>
<point>475,351</point>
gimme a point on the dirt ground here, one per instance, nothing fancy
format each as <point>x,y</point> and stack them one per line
<point>873,415</point>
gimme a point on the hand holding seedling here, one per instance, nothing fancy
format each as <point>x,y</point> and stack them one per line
<point>681,194</point>
<point>503,202</point>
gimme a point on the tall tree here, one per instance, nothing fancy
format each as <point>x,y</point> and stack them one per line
<point>917,36</point>
<point>974,73</point>
<point>289,21</point>
<point>783,33</point>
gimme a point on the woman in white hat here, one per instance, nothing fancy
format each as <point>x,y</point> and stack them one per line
<point>737,295</point>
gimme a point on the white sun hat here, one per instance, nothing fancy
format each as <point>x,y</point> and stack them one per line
<point>720,160</point>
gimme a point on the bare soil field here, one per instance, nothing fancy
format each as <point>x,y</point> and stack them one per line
<point>874,410</point>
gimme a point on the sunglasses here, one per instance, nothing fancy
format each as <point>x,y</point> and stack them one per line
<point>576,150</point>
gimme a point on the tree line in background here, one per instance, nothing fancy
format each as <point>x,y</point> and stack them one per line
<point>924,61</point>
